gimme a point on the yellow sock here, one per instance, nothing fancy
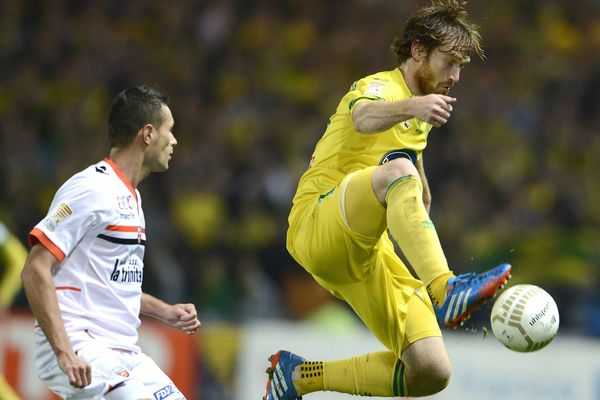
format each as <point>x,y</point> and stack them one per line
<point>414,232</point>
<point>373,374</point>
<point>437,288</point>
<point>308,377</point>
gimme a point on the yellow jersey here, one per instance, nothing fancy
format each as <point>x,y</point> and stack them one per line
<point>343,150</point>
<point>12,259</point>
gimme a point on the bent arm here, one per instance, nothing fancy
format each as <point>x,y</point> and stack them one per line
<point>378,116</point>
<point>153,307</point>
<point>180,316</point>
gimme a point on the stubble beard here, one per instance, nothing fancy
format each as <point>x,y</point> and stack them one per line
<point>426,81</point>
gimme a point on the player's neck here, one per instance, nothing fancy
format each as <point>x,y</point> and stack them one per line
<point>409,71</point>
<point>130,162</point>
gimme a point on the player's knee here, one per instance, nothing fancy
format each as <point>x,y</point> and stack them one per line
<point>399,167</point>
<point>387,173</point>
<point>437,373</point>
<point>441,376</point>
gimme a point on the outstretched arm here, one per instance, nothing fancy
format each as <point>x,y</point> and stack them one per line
<point>41,294</point>
<point>181,316</point>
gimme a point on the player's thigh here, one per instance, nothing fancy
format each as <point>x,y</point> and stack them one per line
<point>421,322</point>
<point>382,299</point>
<point>108,371</point>
<point>324,242</point>
<point>361,210</point>
<point>128,390</point>
<point>156,384</point>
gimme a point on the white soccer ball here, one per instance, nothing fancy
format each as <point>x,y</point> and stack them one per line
<point>525,318</point>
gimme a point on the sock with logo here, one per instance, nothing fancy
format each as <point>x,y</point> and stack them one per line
<point>411,227</point>
<point>373,374</point>
<point>308,377</point>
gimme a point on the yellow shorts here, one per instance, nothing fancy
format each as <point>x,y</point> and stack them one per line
<point>361,268</point>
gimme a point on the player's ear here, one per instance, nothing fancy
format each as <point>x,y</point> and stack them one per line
<point>147,133</point>
<point>417,51</point>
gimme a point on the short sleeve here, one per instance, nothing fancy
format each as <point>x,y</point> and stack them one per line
<point>74,211</point>
<point>371,88</point>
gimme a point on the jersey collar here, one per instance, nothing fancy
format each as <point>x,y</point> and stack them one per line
<point>121,176</point>
<point>398,77</point>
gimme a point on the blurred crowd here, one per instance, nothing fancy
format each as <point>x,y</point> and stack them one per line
<point>514,174</point>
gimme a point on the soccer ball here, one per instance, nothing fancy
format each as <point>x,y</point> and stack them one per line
<point>525,318</point>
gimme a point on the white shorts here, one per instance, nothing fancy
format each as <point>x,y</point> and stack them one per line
<point>116,375</point>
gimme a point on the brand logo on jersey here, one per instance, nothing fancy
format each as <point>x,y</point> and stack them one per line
<point>101,169</point>
<point>62,212</point>
<point>405,124</point>
<point>375,88</point>
<point>402,153</point>
<point>127,271</point>
<point>165,392</point>
<point>125,203</point>
<point>121,372</point>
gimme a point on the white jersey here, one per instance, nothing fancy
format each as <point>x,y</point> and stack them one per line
<point>95,227</point>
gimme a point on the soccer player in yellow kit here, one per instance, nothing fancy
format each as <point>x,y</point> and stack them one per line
<point>12,258</point>
<point>366,178</point>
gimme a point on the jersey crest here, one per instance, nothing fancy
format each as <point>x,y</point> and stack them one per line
<point>62,212</point>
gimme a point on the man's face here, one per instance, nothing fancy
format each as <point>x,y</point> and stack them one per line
<point>440,71</point>
<point>160,150</point>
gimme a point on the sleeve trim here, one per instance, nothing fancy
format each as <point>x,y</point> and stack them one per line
<point>37,236</point>
<point>353,102</point>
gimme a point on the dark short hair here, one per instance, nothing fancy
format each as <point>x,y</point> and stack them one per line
<point>131,110</point>
<point>445,22</point>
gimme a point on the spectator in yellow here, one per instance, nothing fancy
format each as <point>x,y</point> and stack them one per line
<point>12,259</point>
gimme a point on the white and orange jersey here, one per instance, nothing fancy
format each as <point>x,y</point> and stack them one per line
<point>96,230</point>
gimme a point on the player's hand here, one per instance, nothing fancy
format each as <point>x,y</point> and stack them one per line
<point>434,109</point>
<point>184,317</point>
<point>78,371</point>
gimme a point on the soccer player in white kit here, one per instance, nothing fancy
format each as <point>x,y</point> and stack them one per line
<point>83,276</point>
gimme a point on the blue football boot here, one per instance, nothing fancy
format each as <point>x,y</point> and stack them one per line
<point>279,384</point>
<point>467,292</point>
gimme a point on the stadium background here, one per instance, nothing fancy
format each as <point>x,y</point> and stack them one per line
<point>514,174</point>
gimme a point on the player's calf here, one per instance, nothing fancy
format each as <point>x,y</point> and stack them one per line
<point>427,367</point>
